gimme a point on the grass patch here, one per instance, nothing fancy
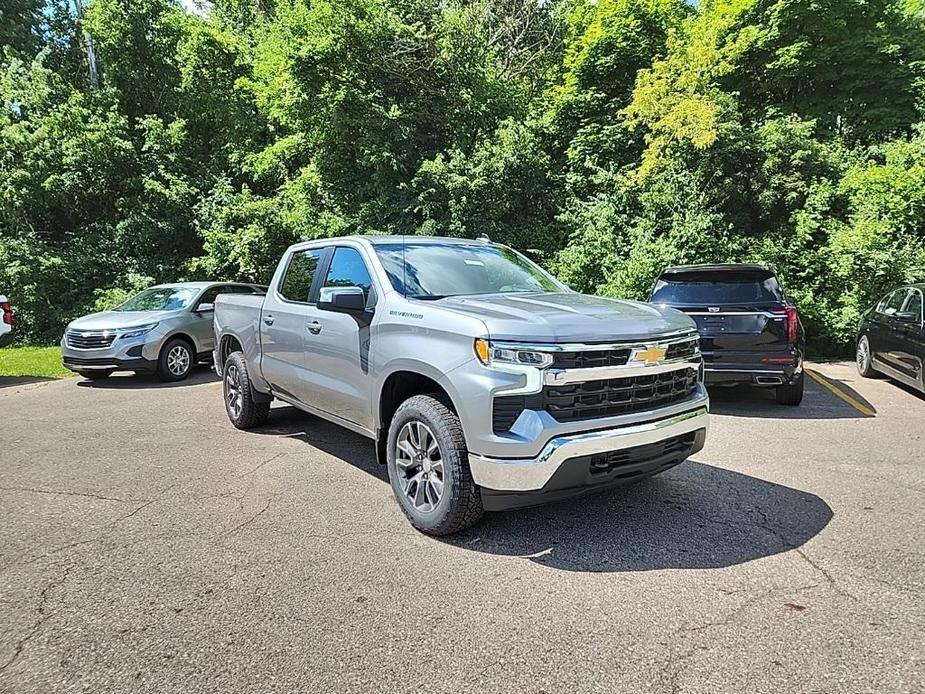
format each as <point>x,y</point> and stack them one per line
<point>37,362</point>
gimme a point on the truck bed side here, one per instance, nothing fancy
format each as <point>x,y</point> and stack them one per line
<point>237,319</point>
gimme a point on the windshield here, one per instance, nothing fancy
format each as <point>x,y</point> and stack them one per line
<point>716,288</point>
<point>160,299</point>
<point>436,270</point>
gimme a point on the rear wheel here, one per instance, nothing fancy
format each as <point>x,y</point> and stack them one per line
<point>95,375</point>
<point>176,360</point>
<point>790,394</point>
<point>863,358</point>
<point>428,466</point>
<point>241,404</point>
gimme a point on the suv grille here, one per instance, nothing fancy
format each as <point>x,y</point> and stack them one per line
<point>682,350</point>
<point>595,399</point>
<point>89,340</point>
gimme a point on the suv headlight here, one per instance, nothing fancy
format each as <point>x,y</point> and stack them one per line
<point>139,331</point>
<point>489,353</point>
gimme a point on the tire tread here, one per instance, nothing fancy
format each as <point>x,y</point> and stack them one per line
<point>253,412</point>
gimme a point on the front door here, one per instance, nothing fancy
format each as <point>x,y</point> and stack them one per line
<point>282,326</point>
<point>337,345</point>
<point>881,334</point>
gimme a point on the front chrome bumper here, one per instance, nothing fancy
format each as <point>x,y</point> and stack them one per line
<point>532,474</point>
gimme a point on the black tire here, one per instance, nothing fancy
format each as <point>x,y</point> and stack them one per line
<point>460,503</point>
<point>95,375</point>
<point>790,394</point>
<point>250,413</point>
<point>863,358</point>
<point>175,354</point>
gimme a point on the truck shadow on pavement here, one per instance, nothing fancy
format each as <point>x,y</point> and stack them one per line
<point>695,516</point>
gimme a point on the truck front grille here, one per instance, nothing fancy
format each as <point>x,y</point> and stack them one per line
<point>597,399</point>
<point>97,339</point>
<point>589,359</point>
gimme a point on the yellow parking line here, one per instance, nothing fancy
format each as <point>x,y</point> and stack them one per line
<point>860,407</point>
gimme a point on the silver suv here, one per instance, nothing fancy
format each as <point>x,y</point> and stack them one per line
<point>485,382</point>
<point>164,329</point>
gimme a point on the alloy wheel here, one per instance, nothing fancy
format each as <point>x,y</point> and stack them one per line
<point>233,392</point>
<point>863,354</point>
<point>419,463</point>
<point>178,360</point>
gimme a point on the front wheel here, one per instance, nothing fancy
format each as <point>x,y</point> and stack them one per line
<point>428,466</point>
<point>863,358</point>
<point>175,361</point>
<point>790,394</point>
<point>243,408</point>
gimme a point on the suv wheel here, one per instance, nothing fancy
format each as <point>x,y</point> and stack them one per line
<point>790,394</point>
<point>863,358</point>
<point>243,409</point>
<point>176,360</point>
<point>428,467</point>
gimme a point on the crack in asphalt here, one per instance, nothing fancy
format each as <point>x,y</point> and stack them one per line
<point>42,618</point>
<point>64,492</point>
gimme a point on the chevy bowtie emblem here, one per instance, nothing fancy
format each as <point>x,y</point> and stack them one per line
<point>651,355</point>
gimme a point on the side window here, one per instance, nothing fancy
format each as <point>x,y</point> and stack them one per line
<point>914,305</point>
<point>348,270</point>
<point>210,294</point>
<point>297,283</point>
<point>894,302</point>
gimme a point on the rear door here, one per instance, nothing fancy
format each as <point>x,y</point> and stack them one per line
<point>908,339</point>
<point>283,325</point>
<point>736,310</point>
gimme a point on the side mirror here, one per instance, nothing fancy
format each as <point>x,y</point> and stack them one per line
<point>205,307</point>
<point>342,300</point>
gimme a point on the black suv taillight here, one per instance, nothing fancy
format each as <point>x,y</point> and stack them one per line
<point>793,322</point>
<point>7,312</point>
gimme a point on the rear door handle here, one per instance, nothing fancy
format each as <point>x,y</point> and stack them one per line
<point>314,327</point>
<point>268,320</point>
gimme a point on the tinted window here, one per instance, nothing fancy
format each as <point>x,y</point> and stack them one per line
<point>297,283</point>
<point>914,305</point>
<point>348,270</point>
<point>894,302</point>
<point>211,294</point>
<point>431,270</point>
<point>717,287</point>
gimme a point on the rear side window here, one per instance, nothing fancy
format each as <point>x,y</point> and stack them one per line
<point>894,302</point>
<point>717,287</point>
<point>300,274</point>
<point>348,270</point>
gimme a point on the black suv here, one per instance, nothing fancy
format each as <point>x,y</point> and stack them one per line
<point>750,332</point>
<point>891,337</point>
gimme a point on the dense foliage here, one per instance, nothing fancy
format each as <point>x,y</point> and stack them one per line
<point>608,138</point>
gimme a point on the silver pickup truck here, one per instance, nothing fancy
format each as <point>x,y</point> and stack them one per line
<point>485,382</point>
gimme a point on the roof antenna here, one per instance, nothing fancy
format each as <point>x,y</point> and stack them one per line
<point>483,238</point>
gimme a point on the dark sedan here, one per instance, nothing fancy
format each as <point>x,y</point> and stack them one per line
<point>891,338</point>
<point>750,332</point>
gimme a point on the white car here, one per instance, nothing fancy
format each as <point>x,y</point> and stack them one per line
<point>6,321</point>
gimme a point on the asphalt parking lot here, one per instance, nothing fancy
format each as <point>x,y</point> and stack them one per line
<point>146,545</point>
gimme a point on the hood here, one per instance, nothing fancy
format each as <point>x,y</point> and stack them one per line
<point>114,320</point>
<point>568,317</point>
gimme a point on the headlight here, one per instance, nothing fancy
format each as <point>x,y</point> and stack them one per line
<point>139,331</point>
<point>489,353</point>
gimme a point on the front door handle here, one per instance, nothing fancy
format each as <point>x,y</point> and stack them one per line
<point>314,327</point>
<point>268,320</point>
